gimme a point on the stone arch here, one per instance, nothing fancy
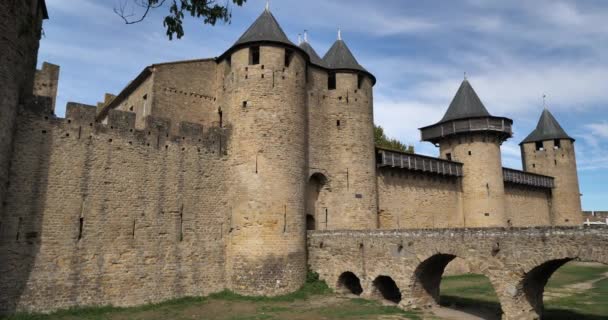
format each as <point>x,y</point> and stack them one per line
<point>315,198</point>
<point>348,282</point>
<point>386,288</point>
<point>534,282</point>
<point>427,278</point>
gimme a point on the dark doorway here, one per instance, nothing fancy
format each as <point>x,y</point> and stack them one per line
<point>350,283</point>
<point>315,186</point>
<point>310,222</point>
<point>387,289</point>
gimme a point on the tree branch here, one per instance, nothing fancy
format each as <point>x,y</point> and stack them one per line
<point>149,4</point>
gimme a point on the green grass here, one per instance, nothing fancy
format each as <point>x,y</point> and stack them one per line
<point>102,311</point>
<point>232,306</point>
<point>358,308</point>
<point>476,291</point>
<point>572,273</point>
<point>312,286</point>
<point>469,286</point>
<point>592,302</point>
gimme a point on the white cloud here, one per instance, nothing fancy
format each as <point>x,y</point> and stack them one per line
<point>599,129</point>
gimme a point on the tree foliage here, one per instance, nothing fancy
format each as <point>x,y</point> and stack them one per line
<point>210,11</point>
<point>383,141</point>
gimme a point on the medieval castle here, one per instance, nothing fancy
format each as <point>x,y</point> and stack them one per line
<point>205,175</point>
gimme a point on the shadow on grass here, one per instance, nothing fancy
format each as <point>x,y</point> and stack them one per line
<point>483,309</point>
<point>491,310</point>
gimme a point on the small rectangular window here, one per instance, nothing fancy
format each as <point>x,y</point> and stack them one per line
<point>360,79</point>
<point>557,144</point>
<point>254,55</point>
<point>331,81</point>
<point>539,145</point>
<point>448,156</point>
<point>288,57</point>
<point>244,104</point>
<point>145,96</point>
<point>337,123</point>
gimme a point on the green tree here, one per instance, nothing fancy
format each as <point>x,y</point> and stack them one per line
<point>211,11</point>
<point>383,141</point>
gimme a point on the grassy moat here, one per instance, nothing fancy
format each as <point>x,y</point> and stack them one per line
<point>576,291</point>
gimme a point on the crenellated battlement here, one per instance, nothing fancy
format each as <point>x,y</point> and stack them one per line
<point>80,123</point>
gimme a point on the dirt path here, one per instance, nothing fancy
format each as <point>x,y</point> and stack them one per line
<point>573,289</point>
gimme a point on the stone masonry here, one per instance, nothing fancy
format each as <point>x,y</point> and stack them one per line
<point>405,266</point>
<point>205,175</point>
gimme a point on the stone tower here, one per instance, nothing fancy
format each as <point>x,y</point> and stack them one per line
<point>264,97</point>
<point>348,106</point>
<point>549,150</point>
<point>469,134</point>
<point>46,82</point>
<point>21,28</point>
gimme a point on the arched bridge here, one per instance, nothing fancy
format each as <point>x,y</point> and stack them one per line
<point>406,266</point>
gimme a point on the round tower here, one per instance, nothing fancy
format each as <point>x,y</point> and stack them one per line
<point>347,106</point>
<point>467,133</point>
<point>264,107</point>
<point>549,150</point>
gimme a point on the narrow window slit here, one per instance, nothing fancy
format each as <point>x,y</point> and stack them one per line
<point>80,227</point>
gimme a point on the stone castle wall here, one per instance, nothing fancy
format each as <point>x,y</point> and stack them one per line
<point>411,200</point>
<point>20,26</point>
<point>528,206</point>
<point>139,102</point>
<point>186,91</point>
<point>105,214</point>
<point>46,82</point>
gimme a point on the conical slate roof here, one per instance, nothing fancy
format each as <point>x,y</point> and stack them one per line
<point>264,29</point>
<point>466,104</point>
<point>547,129</point>
<point>314,57</point>
<point>340,57</point>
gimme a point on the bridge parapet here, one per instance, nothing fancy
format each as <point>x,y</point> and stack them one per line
<point>518,261</point>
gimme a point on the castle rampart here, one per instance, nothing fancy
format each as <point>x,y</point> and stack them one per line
<point>95,211</point>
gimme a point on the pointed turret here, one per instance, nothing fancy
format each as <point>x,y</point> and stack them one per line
<point>314,57</point>
<point>466,104</point>
<point>547,129</point>
<point>264,29</point>
<point>467,114</point>
<point>340,58</point>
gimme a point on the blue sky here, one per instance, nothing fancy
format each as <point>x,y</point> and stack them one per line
<point>512,51</point>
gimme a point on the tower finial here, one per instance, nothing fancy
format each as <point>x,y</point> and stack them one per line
<point>299,38</point>
<point>267,5</point>
<point>305,35</point>
<point>544,101</point>
<point>339,34</point>
<point>465,75</point>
